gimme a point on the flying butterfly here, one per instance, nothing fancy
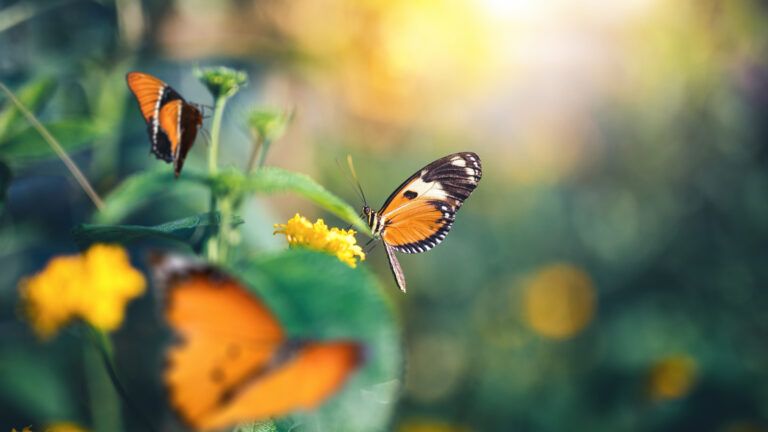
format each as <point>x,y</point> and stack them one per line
<point>172,122</point>
<point>420,212</point>
<point>233,362</point>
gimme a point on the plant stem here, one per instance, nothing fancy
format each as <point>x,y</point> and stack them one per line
<point>104,406</point>
<point>264,151</point>
<point>57,148</point>
<point>257,145</point>
<point>213,150</point>
<point>103,345</point>
<point>212,248</point>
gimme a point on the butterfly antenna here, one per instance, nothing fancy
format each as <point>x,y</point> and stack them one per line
<point>350,180</point>
<point>357,180</point>
<point>370,249</point>
<point>206,135</point>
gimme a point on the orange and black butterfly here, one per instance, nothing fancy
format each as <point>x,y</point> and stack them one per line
<point>233,362</point>
<point>420,212</point>
<point>172,122</point>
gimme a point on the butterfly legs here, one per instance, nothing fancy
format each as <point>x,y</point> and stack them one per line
<point>394,265</point>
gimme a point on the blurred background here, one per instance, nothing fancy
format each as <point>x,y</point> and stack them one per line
<point>609,272</point>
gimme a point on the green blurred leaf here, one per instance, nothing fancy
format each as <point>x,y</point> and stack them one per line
<point>136,190</point>
<point>34,95</point>
<point>28,145</point>
<point>271,180</point>
<point>6,176</point>
<point>191,230</point>
<point>317,297</point>
<point>30,381</point>
<point>266,426</point>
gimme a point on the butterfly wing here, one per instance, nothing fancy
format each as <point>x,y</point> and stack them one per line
<point>310,376</point>
<point>152,94</point>
<point>225,336</point>
<point>190,121</point>
<point>419,214</point>
<point>233,363</point>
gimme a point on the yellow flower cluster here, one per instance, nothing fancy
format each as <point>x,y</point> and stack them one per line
<point>94,286</point>
<point>299,231</point>
<point>56,427</point>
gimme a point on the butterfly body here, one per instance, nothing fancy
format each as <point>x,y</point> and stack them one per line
<point>232,361</point>
<point>172,122</point>
<point>421,211</point>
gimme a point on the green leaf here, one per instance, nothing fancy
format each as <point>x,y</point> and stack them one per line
<point>28,145</point>
<point>191,230</point>
<point>316,297</point>
<point>34,96</point>
<point>266,426</point>
<point>270,180</point>
<point>136,190</point>
<point>5,181</point>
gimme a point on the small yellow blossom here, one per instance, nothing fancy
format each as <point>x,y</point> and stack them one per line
<point>64,427</point>
<point>94,286</point>
<point>672,377</point>
<point>299,231</point>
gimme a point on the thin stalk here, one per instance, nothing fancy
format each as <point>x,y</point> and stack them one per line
<point>103,345</point>
<point>213,149</point>
<point>264,151</point>
<point>257,146</point>
<point>57,148</point>
<point>212,248</point>
<point>102,400</point>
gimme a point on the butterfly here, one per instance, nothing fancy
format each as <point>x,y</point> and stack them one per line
<point>172,122</point>
<point>233,362</point>
<point>420,212</point>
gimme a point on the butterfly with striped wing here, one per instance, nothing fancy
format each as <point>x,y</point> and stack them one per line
<point>420,212</point>
<point>172,122</point>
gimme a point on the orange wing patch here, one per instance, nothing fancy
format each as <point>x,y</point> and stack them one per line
<point>414,223</point>
<point>225,335</point>
<point>303,382</point>
<point>148,91</point>
<point>233,362</point>
<point>170,121</point>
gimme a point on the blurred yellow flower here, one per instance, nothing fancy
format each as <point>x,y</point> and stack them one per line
<point>26,429</point>
<point>559,301</point>
<point>672,377</point>
<point>94,286</point>
<point>64,427</point>
<point>299,231</point>
<point>426,425</point>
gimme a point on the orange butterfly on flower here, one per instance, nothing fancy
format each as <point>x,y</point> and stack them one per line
<point>233,362</point>
<point>420,212</point>
<point>172,122</point>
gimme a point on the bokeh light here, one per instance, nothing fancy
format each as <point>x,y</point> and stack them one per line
<point>559,301</point>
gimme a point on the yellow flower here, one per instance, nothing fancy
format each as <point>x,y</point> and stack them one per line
<point>94,286</point>
<point>64,427</point>
<point>672,377</point>
<point>301,232</point>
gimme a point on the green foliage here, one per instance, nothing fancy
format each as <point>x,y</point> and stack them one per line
<point>34,95</point>
<point>5,181</point>
<point>267,426</point>
<point>34,384</point>
<point>28,145</point>
<point>272,180</point>
<point>192,230</point>
<point>137,190</point>
<point>316,297</point>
